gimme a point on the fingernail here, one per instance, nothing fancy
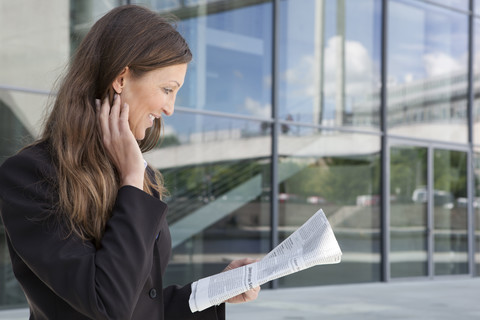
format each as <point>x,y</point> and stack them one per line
<point>115,95</point>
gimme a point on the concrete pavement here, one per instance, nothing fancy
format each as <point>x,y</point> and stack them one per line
<point>453,298</point>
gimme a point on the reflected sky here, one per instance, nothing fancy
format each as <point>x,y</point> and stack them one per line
<point>231,70</point>
<point>427,60</point>
<point>313,72</point>
<point>425,41</point>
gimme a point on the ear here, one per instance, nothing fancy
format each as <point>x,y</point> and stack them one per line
<point>119,81</point>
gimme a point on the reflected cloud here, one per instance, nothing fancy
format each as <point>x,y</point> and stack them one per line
<point>360,74</point>
<point>359,70</point>
<point>440,63</point>
<point>255,108</point>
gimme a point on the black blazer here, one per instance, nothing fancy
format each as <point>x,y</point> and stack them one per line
<point>64,277</point>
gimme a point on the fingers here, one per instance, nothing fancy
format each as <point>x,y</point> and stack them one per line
<point>113,114</point>
<point>251,294</point>
<point>103,113</point>
<point>113,120</point>
<point>247,296</point>
<point>239,263</point>
<point>123,117</point>
<point>119,141</point>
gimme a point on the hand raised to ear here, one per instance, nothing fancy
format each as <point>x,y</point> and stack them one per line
<point>119,141</point>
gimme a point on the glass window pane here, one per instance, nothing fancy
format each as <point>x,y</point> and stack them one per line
<point>457,4</point>
<point>14,134</point>
<point>450,212</point>
<point>83,14</point>
<point>330,62</point>
<point>340,173</point>
<point>217,171</point>
<point>408,212</point>
<point>232,59</point>
<point>476,84</point>
<point>427,72</point>
<point>162,5</point>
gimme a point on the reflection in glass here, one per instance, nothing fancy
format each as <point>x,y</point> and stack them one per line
<point>340,173</point>
<point>83,14</point>
<point>450,212</point>
<point>232,59</point>
<point>330,62</point>
<point>217,171</point>
<point>408,212</point>
<point>162,5</point>
<point>476,208</point>
<point>427,71</point>
<point>476,81</point>
<point>13,136</point>
<point>457,4</point>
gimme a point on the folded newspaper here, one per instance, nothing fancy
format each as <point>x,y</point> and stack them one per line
<point>312,244</point>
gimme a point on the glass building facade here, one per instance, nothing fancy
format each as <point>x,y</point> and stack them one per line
<point>369,109</point>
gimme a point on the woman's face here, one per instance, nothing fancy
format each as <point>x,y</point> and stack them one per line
<point>151,95</point>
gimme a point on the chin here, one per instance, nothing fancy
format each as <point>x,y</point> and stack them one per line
<point>140,135</point>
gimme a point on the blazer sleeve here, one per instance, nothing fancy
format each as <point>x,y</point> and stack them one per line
<point>100,283</point>
<point>176,305</point>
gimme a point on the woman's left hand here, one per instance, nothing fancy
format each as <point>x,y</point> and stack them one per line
<point>120,142</point>
<point>249,295</point>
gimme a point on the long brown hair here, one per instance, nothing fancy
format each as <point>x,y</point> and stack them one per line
<point>88,182</point>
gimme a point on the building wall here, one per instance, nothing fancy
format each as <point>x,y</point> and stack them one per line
<point>384,136</point>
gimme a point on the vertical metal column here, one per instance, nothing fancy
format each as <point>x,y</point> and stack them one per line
<point>318,76</point>
<point>340,65</point>
<point>470,169</point>
<point>384,152</point>
<point>430,208</point>
<point>275,131</point>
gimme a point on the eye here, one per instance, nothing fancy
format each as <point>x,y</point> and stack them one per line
<point>167,90</point>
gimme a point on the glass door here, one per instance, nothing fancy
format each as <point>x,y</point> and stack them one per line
<point>450,222</point>
<point>408,211</point>
<point>428,229</point>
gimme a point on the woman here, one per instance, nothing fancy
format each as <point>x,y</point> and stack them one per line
<point>84,219</point>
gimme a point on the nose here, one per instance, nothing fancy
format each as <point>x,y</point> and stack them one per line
<point>168,109</point>
<point>170,106</point>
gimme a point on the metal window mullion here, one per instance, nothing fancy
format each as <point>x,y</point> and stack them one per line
<point>470,169</point>
<point>430,216</point>
<point>275,131</point>
<point>470,214</point>
<point>384,155</point>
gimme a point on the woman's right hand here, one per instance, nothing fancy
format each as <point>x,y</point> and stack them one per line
<point>249,295</point>
<point>119,141</point>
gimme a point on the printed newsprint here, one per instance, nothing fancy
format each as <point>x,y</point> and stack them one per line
<point>312,244</point>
